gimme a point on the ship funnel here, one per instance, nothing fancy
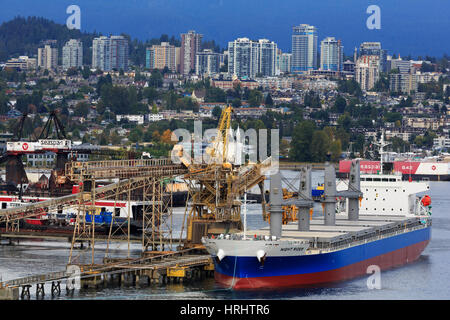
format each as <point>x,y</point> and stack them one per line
<point>330,194</point>
<point>276,200</point>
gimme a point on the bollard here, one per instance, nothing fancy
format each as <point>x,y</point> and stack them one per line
<point>40,292</point>
<point>25,292</point>
<point>56,288</point>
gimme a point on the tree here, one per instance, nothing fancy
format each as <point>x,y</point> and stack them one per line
<point>135,135</point>
<point>392,117</point>
<point>350,86</point>
<point>340,104</point>
<point>72,72</point>
<point>426,67</point>
<point>167,137</point>
<point>156,79</point>
<point>236,103</point>
<point>86,72</point>
<point>255,98</point>
<point>102,81</point>
<point>320,145</point>
<point>156,137</point>
<point>217,112</point>
<point>269,100</point>
<point>214,94</point>
<point>301,141</point>
<point>76,134</point>
<point>4,103</point>
<point>81,109</point>
<point>150,93</point>
<point>335,150</point>
<point>345,121</point>
<point>382,85</point>
<point>154,108</point>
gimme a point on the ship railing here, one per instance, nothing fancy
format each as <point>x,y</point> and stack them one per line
<point>347,243</point>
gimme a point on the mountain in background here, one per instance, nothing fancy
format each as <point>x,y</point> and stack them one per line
<point>23,36</point>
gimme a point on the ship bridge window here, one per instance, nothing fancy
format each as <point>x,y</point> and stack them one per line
<point>3,205</point>
<point>392,180</point>
<point>376,179</point>
<point>368,179</point>
<point>385,179</point>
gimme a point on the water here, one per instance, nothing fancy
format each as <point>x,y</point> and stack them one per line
<point>425,279</point>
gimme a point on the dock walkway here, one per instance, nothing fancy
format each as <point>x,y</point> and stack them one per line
<point>155,267</point>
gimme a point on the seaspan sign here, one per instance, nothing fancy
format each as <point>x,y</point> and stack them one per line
<point>55,144</point>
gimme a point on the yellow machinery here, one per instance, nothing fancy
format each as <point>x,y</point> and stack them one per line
<point>216,187</point>
<point>289,211</point>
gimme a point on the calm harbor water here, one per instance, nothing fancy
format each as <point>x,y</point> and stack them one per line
<point>425,279</point>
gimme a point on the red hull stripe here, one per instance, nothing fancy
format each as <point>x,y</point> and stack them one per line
<point>384,261</point>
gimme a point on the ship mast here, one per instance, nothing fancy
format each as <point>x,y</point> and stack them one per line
<point>382,144</point>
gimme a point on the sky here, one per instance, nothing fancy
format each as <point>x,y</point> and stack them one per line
<point>416,27</point>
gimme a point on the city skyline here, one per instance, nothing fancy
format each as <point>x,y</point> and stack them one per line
<point>401,26</point>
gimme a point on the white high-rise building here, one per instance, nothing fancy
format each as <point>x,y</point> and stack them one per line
<point>243,58</point>
<point>304,48</point>
<point>48,57</point>
<point>285,62</point>
<point>72,54</point>
<point>331,54</point>
<point>207,62</point>
<point>248,59</point>
<point>110,53</point>
<point>267,58</point>
<point>101,53</point>
<point>367,71</point>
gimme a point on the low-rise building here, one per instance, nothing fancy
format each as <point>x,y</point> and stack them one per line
<point>441,142</point>
<point>22,63</point>
<point>229,84</point>
<point>138,118</point>
<point>152,117</point>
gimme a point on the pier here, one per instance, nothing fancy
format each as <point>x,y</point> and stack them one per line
<point>154,267</point>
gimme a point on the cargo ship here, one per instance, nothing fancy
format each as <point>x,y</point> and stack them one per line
<point>369,220</point>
